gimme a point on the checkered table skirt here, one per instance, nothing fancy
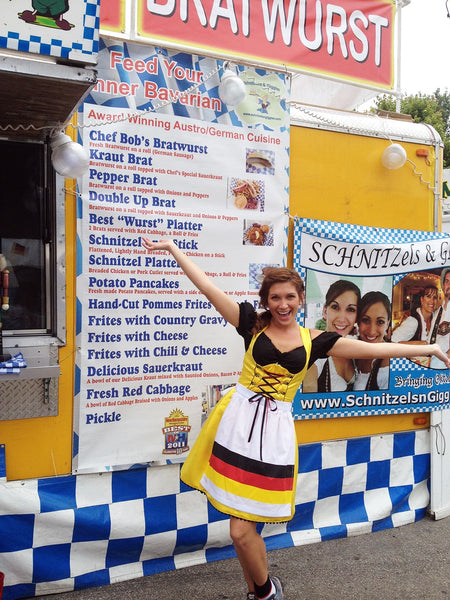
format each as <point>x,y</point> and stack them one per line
<point>65,533</point>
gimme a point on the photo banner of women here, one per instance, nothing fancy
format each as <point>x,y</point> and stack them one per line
<point>169,159</point>
<point>377,285</point>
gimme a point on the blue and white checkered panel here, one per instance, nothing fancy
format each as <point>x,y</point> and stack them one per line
<point>404,366</point>
<point>361,234</point>
<point>81,531</point>
<point>34,44</point>
<point>91,26</point>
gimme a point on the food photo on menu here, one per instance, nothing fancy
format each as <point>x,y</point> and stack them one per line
<point>257,233</point>
<point>256,274</point>
<point>246,194</point>
<point>260,161</point>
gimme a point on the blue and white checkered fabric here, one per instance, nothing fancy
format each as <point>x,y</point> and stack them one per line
<point>81,531</point>
<point>14,365</point>
<point>360,234</point>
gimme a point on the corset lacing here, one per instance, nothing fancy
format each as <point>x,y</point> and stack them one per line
<point>267,383</point>
<point>274,385</point>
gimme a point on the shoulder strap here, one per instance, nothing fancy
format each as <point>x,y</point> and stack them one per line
<point>436,325</point>
<point>306,339</point>
<point>418,334</point>
<point>372,383</point>
<point>323,381</point>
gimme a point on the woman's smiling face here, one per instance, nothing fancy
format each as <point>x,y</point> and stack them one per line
<point>374,323</point>
<point>428,302</point>
<point>340,314</point>
<point>283,302</point>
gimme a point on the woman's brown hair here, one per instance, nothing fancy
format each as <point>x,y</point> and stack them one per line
<point>274,275</point>
<point>339,287</point>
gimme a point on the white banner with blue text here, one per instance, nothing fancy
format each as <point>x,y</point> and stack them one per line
<point>377,285</point>
<point>169,159</point>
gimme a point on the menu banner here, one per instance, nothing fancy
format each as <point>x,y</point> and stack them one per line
<point>154,355</point>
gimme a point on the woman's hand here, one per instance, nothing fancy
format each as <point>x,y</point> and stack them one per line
<point>150,245</point>
<point>438,353</point>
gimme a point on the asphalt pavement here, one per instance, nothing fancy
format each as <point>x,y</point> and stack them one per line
<point>411,562</point>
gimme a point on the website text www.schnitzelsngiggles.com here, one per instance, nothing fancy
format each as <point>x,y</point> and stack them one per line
<point>382,399</point>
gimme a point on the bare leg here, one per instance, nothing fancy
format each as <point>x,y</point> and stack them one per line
<point>251,551</point>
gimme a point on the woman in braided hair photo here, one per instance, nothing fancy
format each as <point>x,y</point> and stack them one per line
<point>340,310</point>
<point>374,326</point>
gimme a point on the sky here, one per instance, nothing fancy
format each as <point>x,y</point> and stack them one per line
<point>425,47</point>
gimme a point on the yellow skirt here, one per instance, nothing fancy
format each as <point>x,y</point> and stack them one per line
<point>245,458</point>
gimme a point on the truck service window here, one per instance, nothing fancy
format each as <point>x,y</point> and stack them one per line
<point>26,236</point>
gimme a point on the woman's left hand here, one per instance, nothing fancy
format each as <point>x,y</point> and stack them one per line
<point>438,353</point>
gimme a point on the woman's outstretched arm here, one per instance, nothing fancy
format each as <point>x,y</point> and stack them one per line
<point>226,306</point>
<point>350,348</point>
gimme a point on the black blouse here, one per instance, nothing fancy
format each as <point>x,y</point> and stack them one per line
<point>265,353</point>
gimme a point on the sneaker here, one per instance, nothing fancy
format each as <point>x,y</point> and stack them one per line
<point>251,596</point>
<point>278,589</point>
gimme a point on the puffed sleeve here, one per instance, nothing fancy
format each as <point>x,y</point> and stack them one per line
<point>247,320</point>
<point>322,344</point>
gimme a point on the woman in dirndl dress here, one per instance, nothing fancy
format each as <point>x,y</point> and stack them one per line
<point>245,457</point>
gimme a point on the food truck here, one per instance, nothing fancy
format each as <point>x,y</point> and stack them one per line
<point>111,360</point>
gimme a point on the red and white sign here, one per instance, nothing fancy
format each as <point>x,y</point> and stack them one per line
<point>348,39</point>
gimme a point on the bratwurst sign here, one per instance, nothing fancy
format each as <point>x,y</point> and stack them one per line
<point>347,39</point>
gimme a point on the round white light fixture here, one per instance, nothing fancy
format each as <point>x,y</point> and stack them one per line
<point>231,88</point>
<point>394,156</point>
<point>69,159</point>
